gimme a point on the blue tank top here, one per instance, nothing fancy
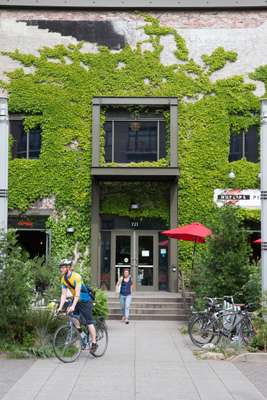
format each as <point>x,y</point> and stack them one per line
<point>126,287</point>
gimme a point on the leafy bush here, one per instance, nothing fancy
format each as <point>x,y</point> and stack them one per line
<point>259,342</point>
<point>252,288</point>
<point>42,274</point>
<point>101,304</point>
<point>42,324</point>
<point>223,269</point>
<point>16,288</point>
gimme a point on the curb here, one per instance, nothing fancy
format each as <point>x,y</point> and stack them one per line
<point>250,357</point>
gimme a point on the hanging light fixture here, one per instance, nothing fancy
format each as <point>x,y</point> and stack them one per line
<point>134,205</point>
<point>231,175</point>
<point>135,125</point>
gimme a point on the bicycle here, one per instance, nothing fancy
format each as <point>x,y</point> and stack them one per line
<point>234,324</point>
<point>199,326</point>
<point>68,342</point>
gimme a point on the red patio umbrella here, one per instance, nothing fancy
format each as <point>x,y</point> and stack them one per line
<point>257,240</point>
<point>195,232</point>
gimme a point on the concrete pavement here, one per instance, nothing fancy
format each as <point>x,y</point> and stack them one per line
<point>256,371</point>
<point>10,372</point>
<point>145,360</point>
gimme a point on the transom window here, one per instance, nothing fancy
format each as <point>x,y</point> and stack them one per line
<point>245,145</point>
<point>134,137</point>
<point>25,144</point>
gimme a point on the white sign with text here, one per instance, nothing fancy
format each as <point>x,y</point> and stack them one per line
<point>246,198</point>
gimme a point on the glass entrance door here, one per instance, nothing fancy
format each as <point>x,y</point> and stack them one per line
<point>137,251</point>
<point>147,261</point>
<point>122,255</point>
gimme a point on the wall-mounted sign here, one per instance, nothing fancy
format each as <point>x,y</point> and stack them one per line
<point>25,224</point>
<point>145,253</point>
<point>134,223</point>
<point>247,198</point>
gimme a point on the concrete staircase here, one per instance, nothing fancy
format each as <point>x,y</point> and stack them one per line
<point>153,306</point>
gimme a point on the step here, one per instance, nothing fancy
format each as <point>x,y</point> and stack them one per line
<point>148,311</point>
<point>153,299</point>
<point>151,317</point>
<point>153,306</point>
<point>150,305</point>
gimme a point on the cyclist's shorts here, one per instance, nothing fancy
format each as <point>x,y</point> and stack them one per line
<point>85,309</point>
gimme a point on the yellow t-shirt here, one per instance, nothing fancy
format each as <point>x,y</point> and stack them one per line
<point>75,279</point>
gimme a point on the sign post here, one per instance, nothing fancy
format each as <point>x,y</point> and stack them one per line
<point>4,128</point>
<point>263,139</point>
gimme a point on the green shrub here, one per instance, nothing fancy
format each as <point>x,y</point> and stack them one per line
<point>252,288</point>
<point>259,342</point>
<point>42,324</point>
<point>16,289</point>
<point>43,273</point>
<point>101,304</point>
<point>223,267</point>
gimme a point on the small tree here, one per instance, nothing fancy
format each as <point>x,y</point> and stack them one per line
<point>223,268</point>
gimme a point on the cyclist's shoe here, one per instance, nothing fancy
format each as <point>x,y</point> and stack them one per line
<point>94,347</point>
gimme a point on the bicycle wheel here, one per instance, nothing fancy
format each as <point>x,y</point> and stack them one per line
<point>246,331</point>
<point>67,343</point>
<point>101,340</point>
<point>224,326</point>
<point>201,330</point>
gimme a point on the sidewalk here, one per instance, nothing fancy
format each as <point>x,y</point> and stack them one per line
<point>146,360</point>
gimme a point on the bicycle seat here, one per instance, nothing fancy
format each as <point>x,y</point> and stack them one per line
<point>229,299</point>
<point>248,307</point>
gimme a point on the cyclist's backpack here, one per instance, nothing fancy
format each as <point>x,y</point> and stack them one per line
<point>90,291</point>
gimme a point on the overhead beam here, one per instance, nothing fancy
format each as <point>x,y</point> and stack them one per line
<point>136,4</point>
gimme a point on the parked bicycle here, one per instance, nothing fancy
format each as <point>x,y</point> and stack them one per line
<point>199,326</point>
<point>234,325</point>
<point>215,322</point>
<point>68,342</point>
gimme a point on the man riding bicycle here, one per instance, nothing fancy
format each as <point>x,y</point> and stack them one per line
<point>82,301</point>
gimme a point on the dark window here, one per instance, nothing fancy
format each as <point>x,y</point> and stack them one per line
<point>105,260</point>
<point>134,140</point>
<point>123,250</point>
<point>245,145</point>
<point>108,141</point>
<point>25,145</point>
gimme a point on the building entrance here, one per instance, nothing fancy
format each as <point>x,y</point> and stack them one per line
<point>137,251</point>
<point>35,242</point>
<point>137,245</point>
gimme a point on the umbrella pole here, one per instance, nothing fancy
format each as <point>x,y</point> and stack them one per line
<point>193,254</point>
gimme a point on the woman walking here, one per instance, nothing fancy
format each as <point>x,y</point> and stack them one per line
<point>125,283</point>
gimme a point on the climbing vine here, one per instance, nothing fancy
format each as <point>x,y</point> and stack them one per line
<point>57,95</point>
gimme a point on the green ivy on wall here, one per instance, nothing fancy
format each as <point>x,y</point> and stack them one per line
<point>57,95</point>
<point>153,199</point>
